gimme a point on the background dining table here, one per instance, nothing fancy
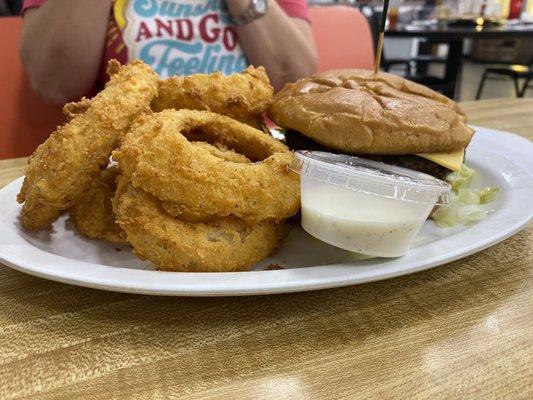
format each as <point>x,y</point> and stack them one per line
<point>454,36</point>
<point>463,330</point>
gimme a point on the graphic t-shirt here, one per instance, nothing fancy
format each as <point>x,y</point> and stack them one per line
<point>177,37</point>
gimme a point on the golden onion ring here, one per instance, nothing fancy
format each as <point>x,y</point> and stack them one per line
<point>194,184</point>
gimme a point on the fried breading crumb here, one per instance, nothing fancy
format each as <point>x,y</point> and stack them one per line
<point>274,267</point>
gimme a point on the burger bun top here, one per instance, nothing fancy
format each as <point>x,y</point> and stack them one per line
<point>360,112</point>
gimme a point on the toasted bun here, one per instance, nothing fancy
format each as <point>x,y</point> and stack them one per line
<point>358,111</point>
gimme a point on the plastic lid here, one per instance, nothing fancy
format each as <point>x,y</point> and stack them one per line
<point>371,177</point>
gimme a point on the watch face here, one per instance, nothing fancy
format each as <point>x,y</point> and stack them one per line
<point>260,6</point>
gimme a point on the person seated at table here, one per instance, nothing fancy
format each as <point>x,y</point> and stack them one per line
<point>65,44</point>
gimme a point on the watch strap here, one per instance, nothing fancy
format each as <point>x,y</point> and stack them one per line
<point>251,13</point>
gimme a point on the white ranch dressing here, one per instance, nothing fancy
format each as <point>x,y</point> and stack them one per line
<point>362,205</point>
<point>362,223</point>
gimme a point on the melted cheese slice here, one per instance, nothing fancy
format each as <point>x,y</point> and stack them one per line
<point>451,160</point>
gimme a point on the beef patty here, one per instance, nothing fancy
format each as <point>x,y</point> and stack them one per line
<point>296,141</point>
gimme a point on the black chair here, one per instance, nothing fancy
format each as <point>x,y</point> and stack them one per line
<point>526,84</point>
<point>514,72</point>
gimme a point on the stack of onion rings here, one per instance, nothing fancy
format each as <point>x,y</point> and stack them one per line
<point>201,191</point>
<point>193,190</point>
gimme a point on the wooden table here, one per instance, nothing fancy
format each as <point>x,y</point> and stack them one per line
<point>459,331</point>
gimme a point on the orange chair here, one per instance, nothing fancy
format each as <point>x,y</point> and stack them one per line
<point>25,119</point>
<point>343,38</point>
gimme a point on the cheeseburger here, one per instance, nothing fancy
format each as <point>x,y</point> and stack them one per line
<point>379,116</point>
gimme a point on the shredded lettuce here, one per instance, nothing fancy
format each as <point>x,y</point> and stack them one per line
<point>487,195</point>
<point>465,206</point>
<point>462,178</point>
<point>470,213</point>
<point>467,196</point>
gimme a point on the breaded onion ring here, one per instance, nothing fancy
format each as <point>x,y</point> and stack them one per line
<point>194,184</point>
<point>245,96</point>
<point>66,163</point>
<point>221,151</point>
<point>226,244</point>
<point>92,213</point>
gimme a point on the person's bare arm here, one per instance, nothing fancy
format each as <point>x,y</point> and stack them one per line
<point>283,45</point>
<point>61,47</point>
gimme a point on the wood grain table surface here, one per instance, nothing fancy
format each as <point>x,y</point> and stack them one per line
<point>460,331</point>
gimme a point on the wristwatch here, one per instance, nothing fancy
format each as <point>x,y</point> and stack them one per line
<point>256,9</point>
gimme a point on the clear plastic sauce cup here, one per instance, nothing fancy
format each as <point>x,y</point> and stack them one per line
<point>362,205</point>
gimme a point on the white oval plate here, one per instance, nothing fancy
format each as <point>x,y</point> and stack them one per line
<point>63,255</point>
